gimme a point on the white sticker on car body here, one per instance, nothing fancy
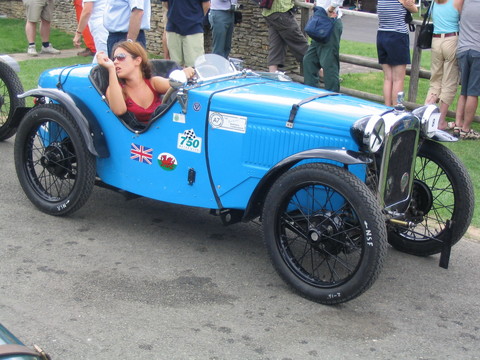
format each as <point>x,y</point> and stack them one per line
<point>189,141</point>
<point>228,122</point>
<point>179,118</point>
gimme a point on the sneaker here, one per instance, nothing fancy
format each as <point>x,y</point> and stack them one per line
<point>32,51</point>
<point>86,52</point>
<point>469,135</point>
<point>49,50</point>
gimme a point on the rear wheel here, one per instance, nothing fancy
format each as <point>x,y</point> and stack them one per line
<point>54,166</point>
<point>10,87</point>
<point>325,232</point>
<point>442,191</point>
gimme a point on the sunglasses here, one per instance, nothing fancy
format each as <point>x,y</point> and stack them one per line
<point>120,57</point>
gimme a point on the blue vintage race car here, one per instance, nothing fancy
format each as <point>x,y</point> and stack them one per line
<point>331,177</point>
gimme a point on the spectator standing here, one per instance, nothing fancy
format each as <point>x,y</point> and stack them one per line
<point>39,11</point>
<point>222,21</point>
<point>126,20</point>
<point>87,36</point>
<point>185,29</point>
<point>444,68</point>
<point>283,32</point>
<point>393,45</point>
<point>468,55</point>
<point>92,13</point>
<point>166,54</point>
<point>325,56</point>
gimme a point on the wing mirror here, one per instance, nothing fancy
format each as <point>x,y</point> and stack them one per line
<point>177,78</point>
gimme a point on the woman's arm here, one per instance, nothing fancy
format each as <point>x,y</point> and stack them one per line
<point>161,84</point>
<point>114,91</point>
<point>409,5</point>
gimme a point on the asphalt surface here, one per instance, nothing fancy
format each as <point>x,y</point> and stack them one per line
<point>141,279</point>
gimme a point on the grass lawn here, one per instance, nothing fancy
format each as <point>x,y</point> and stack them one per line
<point>12,40</point>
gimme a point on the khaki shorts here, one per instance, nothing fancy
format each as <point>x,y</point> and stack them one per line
<point>38,9</point>
<point>185,49</point>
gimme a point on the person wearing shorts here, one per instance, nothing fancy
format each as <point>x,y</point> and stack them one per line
<point>185,29</point>
<point>393,45</point>
<point>39,11</point>
<point>468,55</point>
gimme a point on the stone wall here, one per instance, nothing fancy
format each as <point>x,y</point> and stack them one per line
<point>250,40</point>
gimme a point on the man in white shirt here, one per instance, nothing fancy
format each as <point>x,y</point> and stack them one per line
<point>126,20</point>
<point>325,56</point>
<point>92,14</point>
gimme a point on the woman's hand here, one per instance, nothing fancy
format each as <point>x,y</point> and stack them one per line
<point>190,72</point>
<point>104,60</point>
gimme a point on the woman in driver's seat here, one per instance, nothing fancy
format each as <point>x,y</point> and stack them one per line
<point>131,86</point>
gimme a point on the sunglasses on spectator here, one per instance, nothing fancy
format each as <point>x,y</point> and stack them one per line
<point>120,57</point>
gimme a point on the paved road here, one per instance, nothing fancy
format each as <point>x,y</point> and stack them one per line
<point>362,27</point>
<point>140,279</point>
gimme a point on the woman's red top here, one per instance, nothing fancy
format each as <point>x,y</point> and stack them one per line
<point>144,114</point>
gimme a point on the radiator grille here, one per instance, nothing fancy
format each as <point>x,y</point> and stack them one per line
<point>400,161</point>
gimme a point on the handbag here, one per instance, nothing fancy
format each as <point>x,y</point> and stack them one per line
<point>320,26</point>
<point>424,40</point>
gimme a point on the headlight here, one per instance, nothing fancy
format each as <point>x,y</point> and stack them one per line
<point>429,116</point>
<point>374,133</point>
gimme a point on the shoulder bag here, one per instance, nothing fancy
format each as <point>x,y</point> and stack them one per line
<point>424,40</point>
<point>320,26</point>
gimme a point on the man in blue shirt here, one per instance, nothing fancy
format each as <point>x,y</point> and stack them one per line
<point>126,19</point>
<point>185,29</point>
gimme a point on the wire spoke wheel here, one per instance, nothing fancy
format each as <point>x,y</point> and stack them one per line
<point>324,232</point>
<point>323,246</point>
<point>442,192</point>
<point>10,87</point>
<point>53,164</point>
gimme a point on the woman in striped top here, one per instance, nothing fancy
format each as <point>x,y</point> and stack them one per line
<point>393,45</point>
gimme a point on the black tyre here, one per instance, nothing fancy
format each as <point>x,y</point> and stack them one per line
<point>324,232</point>
<point>442,191</point>
<point>54,166</point>
<point>10,87</point>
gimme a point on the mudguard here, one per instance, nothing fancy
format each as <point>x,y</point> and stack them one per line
<point>90,130</point>
<point>346,157</point>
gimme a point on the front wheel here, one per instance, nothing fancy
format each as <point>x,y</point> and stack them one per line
<point>54,166</point>
<point>325,232</point>
<point>442,191</point>
<point>10,87</point>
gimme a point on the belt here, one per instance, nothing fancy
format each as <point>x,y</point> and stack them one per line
<point>445,35</point>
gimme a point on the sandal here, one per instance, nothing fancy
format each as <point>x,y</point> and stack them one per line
<point>451,126</point>
<point>469,135</point>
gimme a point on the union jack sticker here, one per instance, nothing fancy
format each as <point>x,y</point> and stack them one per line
<point>141,154</point>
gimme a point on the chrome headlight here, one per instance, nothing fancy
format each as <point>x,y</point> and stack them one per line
<point>374,134</point>
<point>429,116</point>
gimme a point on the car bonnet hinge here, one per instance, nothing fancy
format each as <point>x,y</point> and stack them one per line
<point>295,107</point>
